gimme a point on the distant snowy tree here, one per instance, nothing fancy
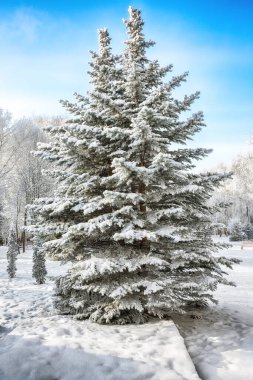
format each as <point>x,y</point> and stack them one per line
<point>248,231</point>
<point>12,253</point>
<point>39,271</point>
<point>237,192</point>
<point>21,174</point>
<point>236,231</point>
<point>128,211</point>
<point>7,149</point>
<point>30,183</point>
<point>2,217</point>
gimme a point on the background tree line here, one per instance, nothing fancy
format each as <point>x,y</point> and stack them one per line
<point>22,180</point>
<point>21,173</point>
<point>236,218</point>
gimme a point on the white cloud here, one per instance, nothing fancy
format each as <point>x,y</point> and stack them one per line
<point>21,105</point>
<point>223,153</point>
<point>27,24</point>
<point>23,24</point>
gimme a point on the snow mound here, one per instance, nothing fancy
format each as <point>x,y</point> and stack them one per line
<point>59,348</point>
<point>37,344</point>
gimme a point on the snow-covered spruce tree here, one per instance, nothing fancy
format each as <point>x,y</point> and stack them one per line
<point>236,232</point>
<point>248,231</point>
<point>128,212</point>
<point>39,270</point>
<point>12,253</point>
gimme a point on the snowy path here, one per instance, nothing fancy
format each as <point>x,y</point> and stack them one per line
<point>221,343</point>
<point>37,344</point>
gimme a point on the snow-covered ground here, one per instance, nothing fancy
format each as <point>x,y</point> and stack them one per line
<point>37,344</point>
<point>221,343</point>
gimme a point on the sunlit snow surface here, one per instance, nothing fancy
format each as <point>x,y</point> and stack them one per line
<point>221,343</point>
<point>37,344</point>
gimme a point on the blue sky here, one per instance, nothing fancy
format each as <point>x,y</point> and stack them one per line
<point>45,52</point>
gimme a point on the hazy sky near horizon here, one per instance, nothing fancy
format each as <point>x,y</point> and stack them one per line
<point>45,52</point>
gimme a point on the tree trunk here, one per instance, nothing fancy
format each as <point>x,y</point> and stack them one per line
<point>142,189</point>
<point>24,232</point>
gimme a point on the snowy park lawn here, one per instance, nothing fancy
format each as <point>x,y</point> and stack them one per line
<point>221,343</point>
<point>37,344</point>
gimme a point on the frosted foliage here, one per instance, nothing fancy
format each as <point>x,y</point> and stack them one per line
<point>236,231</point>
<point>128,212</point>
<point>39,271</point>
<point>12,254</point>
<point>236,194</point>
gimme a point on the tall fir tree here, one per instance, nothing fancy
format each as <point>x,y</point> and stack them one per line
<point>128,211</point>
<point>237,232</point>
<point>248,231</point>
<point>12,253</point>
<point>39,270</point>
